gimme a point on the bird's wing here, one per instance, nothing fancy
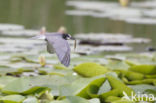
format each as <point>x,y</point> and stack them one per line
<point>50,48</point>
<point>61,48</point>
<point>40,37</point>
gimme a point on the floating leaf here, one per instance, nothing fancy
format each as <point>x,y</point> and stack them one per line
<point>144,81</point>
<point>117,84</point>
<point>76,99</point>
<point>80,86</point>
<point>105,87</point>
<point>151,91</point>
<point>141,88</point>
<point>54,82</point>
<point>90,69</point>
<point>12,99</point>
<point>6,69</point>
<point>92,91</point>
<point>116,64</point>
<point>22,86</point>
<point>19,58</point>
<point>95,100</point>
<point>112,98</point>
<point>145,69</point>
<point>5,80</point>
<point>31,100</point>
<point>57,66</point>
<point>123,101</point>
<point>132,75</point>
<point>114,92</point>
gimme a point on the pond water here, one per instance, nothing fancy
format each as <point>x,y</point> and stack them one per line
<point>99,16</point>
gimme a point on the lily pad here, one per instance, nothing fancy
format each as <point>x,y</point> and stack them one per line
<point>105,87</point>
<point>90,69</point>
<point>117,64</point>
<point>117,84</point>
<point>12,99</point>
<point>141,88</point>
<point>31,100</point>
<point>22,86</point>
<point>4,80</point>
<point>76,99</point>
<point>145,69</point>
<point>80,86</point>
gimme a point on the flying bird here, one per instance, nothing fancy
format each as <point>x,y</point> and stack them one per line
<point>57,43</point>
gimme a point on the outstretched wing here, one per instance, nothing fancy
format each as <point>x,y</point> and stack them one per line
<point>61,48</point>
<point>50,48</point>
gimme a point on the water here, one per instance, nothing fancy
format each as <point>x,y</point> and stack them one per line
<point>34,14</point>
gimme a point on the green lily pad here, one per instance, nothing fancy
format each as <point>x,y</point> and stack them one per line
<point>20,58</point>
<point>12,99</point>
<point>130,75</point>
<point>4,80</point>
<point>76,99</point>
<point>116,64</point>
<point>139,59</point>
<point>80,86</point>
<point>94,100</point>
<point>112,99</point>
<point>54,82</point>
<point>114,92</point>
<point>6,69</point>
<point>123,101</point>
<point>92,91</point>
<point>145,69</point>
<point>31,100</point>
<point>117,84</point>
<point>144,81</point>
<point>90,69</point>
<point>58,66</point>
<point>154,82</point>
<point>141,88</point>
<point>21,86</point>
<point>105,87</point>
<point>151,91</point>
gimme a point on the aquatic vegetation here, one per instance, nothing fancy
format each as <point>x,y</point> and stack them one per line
<point>28,73</point>
<point>85,82</point>
<point>90,69</point>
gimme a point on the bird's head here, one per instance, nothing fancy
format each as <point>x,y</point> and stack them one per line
<point>67,37</point>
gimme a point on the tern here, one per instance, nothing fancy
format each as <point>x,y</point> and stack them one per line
<point>57,43</point>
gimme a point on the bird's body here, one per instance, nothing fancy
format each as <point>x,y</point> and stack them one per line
<point>57,43</point>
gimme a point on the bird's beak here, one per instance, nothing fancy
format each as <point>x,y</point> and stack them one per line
<point>75,43</point>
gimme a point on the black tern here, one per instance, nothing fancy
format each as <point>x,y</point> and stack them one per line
<point>57,43</point>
